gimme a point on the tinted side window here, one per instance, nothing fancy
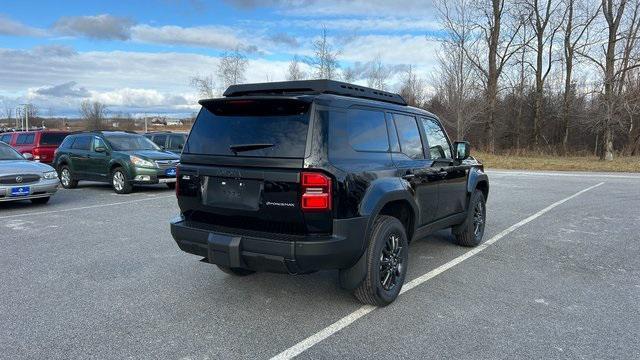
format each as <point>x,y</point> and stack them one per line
<point>160,140</point>
<point>176,142</point>
<point>409,135</point>
<point>367,130</point>
<point>6,138</point>
<point>82,143</point>
<point>24,139</point>
<point>439,147</point>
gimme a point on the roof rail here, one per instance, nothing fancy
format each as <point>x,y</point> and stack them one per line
<point>313,87</point>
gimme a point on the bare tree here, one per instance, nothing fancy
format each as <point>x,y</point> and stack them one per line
<point>93,113</point>
<point>545,27</point>
<point>377,74</point>
<point>324,59</point>
<point>617,57</point>
<point>412,88</point>
<point>204,84</point>
<point>580,15</point>
<point>294,71</point>
<point>493,46</point>
<point>456,78</point>
<point>232,68</point>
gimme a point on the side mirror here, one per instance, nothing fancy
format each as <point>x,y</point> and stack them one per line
<point>463,150</point>
<point>180,146</point>
<point>100,149</point>
<point>27,156</point>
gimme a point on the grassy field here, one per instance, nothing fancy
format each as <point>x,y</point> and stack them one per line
<point>547,162</point>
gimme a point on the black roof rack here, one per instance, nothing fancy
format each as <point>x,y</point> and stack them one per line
<point>313,87</point>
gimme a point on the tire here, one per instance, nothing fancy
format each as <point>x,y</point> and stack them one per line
<point>66,178</point>
<point>120,181</point>
<point>382,284</point>
<point>235,271</point>
<point>42,200</point>
<point>471,231</point>
<point>171,185</point>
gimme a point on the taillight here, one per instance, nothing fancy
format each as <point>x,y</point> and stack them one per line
<point>36,153</point>
<point>316,192</point>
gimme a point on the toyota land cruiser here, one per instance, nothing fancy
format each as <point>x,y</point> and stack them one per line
<point>302,176</point>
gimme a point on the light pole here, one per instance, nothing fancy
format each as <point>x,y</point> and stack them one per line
<point>26,116</point>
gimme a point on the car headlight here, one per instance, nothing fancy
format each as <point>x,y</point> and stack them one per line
<point>50,175</point>
<point>141,162</point>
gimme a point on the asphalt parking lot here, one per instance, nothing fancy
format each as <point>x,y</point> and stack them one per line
<point>97,275</point>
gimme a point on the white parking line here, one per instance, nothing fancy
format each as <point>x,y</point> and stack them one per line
<point>580,175</point>
<point>47,212</point>
<point>312,340</point>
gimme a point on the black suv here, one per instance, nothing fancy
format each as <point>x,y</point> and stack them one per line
<point>118,157</point>
<point>302,176</point>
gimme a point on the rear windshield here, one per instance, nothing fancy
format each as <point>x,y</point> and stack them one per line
<point>259,128</point>
<point>52,138</point>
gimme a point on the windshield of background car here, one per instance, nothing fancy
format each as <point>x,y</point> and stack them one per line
<point>7,153</point>
<point>282,124</point>
<point>130,142</point>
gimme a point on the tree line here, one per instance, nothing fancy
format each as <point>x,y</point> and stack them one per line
<point>551,76</point>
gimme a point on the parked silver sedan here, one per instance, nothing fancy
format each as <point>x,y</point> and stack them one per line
<point>21,179</point>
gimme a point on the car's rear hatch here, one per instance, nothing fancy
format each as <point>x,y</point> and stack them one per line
<point>46,147</point>
<point>241,168</point>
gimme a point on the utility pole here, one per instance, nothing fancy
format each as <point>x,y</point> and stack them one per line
<point>26,117</point>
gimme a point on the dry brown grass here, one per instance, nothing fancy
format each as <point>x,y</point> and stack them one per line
<point>560,163</point>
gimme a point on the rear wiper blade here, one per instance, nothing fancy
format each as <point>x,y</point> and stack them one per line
<point>248,147</point>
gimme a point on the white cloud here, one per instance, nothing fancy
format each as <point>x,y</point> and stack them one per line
<point>102,27</point>
<point>16,28</point>
<point>216,37</point>
<point>342,7</point>
<point>369,25</point>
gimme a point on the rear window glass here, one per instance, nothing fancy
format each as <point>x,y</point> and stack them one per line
<point>367,130</point>
<point>258,128</point>
<point>52,138</point>
<point>5,138</point>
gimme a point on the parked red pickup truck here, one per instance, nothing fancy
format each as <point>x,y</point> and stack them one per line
<point>40,143</point>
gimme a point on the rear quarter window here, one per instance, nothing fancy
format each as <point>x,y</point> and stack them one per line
<point>6,138</point>
<point>367,130</point>
<point>52,138</point>
<point>66,143</point>
<point>280,125</point>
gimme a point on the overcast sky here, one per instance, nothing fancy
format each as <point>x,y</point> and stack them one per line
<point>138,56</point>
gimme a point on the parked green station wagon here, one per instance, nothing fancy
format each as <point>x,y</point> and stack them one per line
<point>123,159</point>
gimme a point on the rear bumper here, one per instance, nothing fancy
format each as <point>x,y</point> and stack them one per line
<point>285,254</point>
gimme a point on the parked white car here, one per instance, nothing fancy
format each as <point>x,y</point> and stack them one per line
<point>22,179</point>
